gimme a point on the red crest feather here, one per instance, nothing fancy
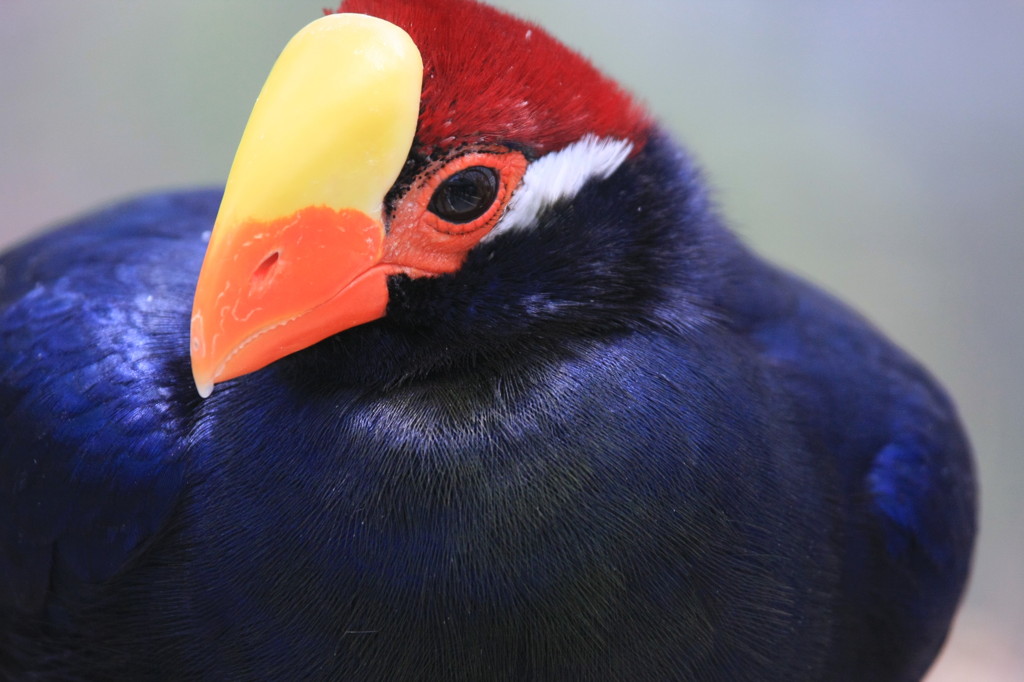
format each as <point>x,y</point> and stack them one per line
<point>490,78</point>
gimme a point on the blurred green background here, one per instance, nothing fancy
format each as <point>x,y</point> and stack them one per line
<point>876,147</point>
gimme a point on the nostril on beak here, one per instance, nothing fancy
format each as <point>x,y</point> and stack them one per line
<point>265,268</point>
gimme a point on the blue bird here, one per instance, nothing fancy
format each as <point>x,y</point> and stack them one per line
<point>486,391</point>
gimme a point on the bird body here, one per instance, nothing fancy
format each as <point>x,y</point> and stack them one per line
<point>611,444</point>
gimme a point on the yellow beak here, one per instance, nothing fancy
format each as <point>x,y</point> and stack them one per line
<point>294,255</point>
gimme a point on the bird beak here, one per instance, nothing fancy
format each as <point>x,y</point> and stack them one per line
<point>295,252</point>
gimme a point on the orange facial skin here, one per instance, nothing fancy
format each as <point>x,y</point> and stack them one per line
<point>422,243</point>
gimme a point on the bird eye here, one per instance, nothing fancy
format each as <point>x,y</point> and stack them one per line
<point>450,206</point>
<point>465,196</point>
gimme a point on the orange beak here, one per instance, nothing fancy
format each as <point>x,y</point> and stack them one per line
<point>295,253</point>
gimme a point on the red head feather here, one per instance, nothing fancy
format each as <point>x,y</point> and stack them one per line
<point>492,78</point>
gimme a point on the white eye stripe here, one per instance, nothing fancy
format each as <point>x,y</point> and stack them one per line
<point>561,175</point>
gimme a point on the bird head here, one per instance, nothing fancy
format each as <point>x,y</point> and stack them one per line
<point>421,162</point>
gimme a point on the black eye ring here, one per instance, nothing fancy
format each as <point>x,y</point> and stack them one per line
<point>466,195</point>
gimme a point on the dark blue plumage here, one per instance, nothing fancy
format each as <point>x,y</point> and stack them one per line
<point>614,447</point>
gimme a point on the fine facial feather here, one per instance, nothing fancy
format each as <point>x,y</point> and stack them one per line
<point>560,176</point>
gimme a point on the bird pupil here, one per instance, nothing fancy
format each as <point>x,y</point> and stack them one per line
<point>465,196</point>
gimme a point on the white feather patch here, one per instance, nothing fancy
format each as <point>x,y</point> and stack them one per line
<point>561,175</point>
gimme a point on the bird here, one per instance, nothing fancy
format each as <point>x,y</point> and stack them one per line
<point>462,376</point>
